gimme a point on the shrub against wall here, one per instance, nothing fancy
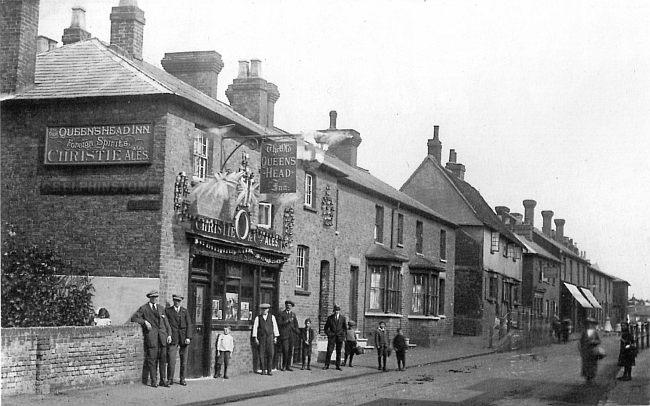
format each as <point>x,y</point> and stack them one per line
<point>41,289</point>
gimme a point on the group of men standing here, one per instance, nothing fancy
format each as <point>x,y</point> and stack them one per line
<point>167,332</point>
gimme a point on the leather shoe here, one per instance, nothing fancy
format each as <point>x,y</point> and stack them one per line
<point>269,373</point>
<point>289,370</point>
<point>339,369</point>
<point>183,382</point>
<point>165,385</point>
<point>326,367</point>
<point>153,385</point>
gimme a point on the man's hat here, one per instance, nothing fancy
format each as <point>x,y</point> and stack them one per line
<point>289,303</point>
<point>177,297</point>
<point>352,323</point>
<point>153,293</point>
<point>265,306</point>
<point>337,308</point>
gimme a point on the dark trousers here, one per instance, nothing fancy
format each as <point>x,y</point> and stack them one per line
<point>266,353</point>
<point>172,350</point>
<point>331,343</point>
<point>306,355</point>
<point>221,358</point>
<point>401,358</point>
<point>155,358</point>
<point>350,346</point>
<point>382,353</point>
<point>287,352</point>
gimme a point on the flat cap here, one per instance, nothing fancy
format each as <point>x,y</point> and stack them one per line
<point>289,303</point>
<point>153,293</point>
<point>265,306</point>
<point>177,297</point>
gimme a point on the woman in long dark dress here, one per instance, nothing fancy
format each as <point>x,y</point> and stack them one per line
<point>627,354</point>
<point>589,340</point>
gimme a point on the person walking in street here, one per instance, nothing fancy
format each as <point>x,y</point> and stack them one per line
<point>306,339</point>
<point>381,345</point>
<point>288,326</point>
<point>180,323</point>
<point>157,334</point>
<point>335,328</point>
<point>265,334</point>
<point>400,347</point>
<point>350,342</point>
<point>224,347</point>
<point>628,352</point>
<point>589,345</point>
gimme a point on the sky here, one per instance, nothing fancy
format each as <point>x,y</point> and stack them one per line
<point>547,101</point>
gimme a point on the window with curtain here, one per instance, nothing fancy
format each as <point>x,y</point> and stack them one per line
<point>426,293</point>
<point>379,224</point>
<point>385,289</point>
<point>494,247</point>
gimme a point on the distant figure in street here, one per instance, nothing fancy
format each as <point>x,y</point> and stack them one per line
<point>381,344</point>
<point>350,342</point>
<point>335,328</point>
<point>565,330</point>
<point>265,334</point>
<point>589,341</point>
<point>157,334</point>
<point>180,323</point>
<point>400,347</point>
<point>628,352</point>
<point>103,318</point>
<point>225,345</point>
<point>556,327</point>
<point>306,339</point>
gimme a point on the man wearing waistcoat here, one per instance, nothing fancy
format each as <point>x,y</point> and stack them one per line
<point>335,329</point>
<point>179,320</point>
<point>288,326</point>
<point>265,334</point>
<point>157,334</point>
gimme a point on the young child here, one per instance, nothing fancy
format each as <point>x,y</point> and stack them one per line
<point>381,344</point>
<point>306,338</point>
<point>225,346</point>
<point>400,347</point>
<point>350,343</point>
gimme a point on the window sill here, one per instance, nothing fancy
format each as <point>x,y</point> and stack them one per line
<point>444,261</point>
<point>420,317</point>
<point>302,293</point>
<point>379,314</point>
<point>309,208</point>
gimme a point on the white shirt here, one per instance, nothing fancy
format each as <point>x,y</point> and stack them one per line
<point>256,324</point>
<point>225,343</point>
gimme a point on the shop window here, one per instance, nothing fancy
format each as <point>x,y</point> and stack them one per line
<point>302,262</point>
<point>419,236</point>
<point>400,229</point>
<point>507,292</point>
<point>200,155</point>
<point>310,187</point>
<point>443,245</point>
<point>426,294</point>
<point>493,287</point>
<point>385,289</point>
<point>265,215</point>
<point>494,247</point>
<point>379,224</point>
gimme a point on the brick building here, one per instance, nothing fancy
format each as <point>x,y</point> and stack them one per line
<point>488,255</point>
<point>105,154</point>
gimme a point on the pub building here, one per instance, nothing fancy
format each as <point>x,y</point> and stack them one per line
<point>146,181</point>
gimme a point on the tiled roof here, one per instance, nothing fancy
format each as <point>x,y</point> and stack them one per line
<point>420,262</point>
<point>534,248</point>
<point>92,68</point>
<point>377,251</point>
<point>564,249</point>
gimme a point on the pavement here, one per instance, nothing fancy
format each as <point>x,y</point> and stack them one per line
<point>210,391</point>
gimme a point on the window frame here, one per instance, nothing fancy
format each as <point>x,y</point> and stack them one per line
<point>431,298</point>
<point>379,224</point>
<point>200,155</point>
<point>493,287</point>
<point>443,245</point>
<point>385,293</point>
<point>265,207</point>
<point>400,229</point>
<point>495,241</point>
<point>419,237</point>
<point>302,267</point>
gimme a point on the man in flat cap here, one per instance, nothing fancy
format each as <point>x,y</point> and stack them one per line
<point>157,334</point>
<point>335,327</point>
<point>179,321</point>
<point>265,334</point>
<point>288,325</point>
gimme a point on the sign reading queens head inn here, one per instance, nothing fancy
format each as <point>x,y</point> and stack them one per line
<point>109,144</point>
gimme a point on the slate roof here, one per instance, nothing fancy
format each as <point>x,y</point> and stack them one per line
<point>564,249</point>
<point>377,251</point>
<point>420,262</point>
<point>93,68</point>
<point>534,248</point>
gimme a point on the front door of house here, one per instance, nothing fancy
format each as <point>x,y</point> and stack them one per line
<point>199,351</point>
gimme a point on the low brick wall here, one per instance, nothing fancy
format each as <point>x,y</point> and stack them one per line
<point>49,359</point>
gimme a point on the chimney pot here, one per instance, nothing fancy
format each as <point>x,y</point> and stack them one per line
<point>127,27</point>
<point>547,216</point>
<point>256,68</point>
<point>77,30</point>
<point>252,96</point>
<point>457,169</point>
<point>199,69</point>
<point>78,18</point>
<point>243,69</point>
<point>502,209</point>
<point>529,211</point>
<point>434,146</point>
<point>518,217</point>
<point>559,230</point>
<point>333,116</point>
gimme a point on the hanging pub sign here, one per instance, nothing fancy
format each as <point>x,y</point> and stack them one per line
<point>278,167</point>
<point>110,144</point>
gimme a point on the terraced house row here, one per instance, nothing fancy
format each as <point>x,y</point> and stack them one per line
<point>143,178</point>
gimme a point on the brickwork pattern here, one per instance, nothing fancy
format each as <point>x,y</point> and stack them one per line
<point>19,28</point>
<point>48,359</point>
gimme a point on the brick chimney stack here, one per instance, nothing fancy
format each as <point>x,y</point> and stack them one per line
<point>457,169</point>
<point>77,30</point>
<point>529,211</point>
<point>547,215</point>
<point>434,146</point>
<point>127,27</point>
<point>199,69</point>
<point>252,96</point>
<point>345,150</point>
<point>19,22</point>
<point>559,231</point>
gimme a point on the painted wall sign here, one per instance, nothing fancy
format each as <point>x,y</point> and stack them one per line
<point>118,144</point>
<point>146,205</point>
<point>100,187</point>
<point>551,271</point>
<point>239,232</point>
<point>278,167</point>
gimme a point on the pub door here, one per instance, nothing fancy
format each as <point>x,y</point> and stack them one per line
<point>198,364</point>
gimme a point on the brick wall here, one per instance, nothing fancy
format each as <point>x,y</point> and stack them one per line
<point>49,359</point>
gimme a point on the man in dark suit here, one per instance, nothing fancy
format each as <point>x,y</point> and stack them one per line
<point>179,320</point>
<point>335,330</point>
<point>157,334</point>
<point>288,325</point>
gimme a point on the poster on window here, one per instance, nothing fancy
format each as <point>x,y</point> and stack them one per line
<point>198,308</point>
<point>245,311</point>
<point>216,310</point>
<point>232,299</point>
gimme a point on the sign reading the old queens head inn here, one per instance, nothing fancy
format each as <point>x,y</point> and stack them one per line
<point>99,144</point>
<point>278,167</point>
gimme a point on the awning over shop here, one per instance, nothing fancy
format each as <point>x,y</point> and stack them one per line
<point>592,299</point>
<point>578,296</point>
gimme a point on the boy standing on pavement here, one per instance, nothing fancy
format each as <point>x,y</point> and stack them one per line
<point>225,346</point>
<point>381,344</point>
<point>307,337</point>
